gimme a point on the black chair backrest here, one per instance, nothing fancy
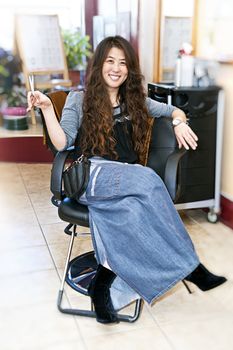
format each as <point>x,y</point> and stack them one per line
<point>162,144</point>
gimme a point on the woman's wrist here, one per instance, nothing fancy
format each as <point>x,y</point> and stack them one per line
<point>46,107</point>
<point>179,115</point>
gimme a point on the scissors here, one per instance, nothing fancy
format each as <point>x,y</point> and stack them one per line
<point>31,83</point>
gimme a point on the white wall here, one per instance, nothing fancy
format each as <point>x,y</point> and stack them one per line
<point>147,27</point>
<point>215,27</point>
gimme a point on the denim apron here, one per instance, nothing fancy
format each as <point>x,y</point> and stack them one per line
<point>136,231</point>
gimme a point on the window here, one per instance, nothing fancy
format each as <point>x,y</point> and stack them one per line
<point>70,14</point>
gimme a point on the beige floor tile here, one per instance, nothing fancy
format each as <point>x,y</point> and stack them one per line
<point>37,185</point>
<point>8,171</point>
<point>223,295</point>
<point>8,166</point>
<point>18,211</point>
<point>220,261</point>
<point>14,197</point>
<point>77,300</point>
<point>25,260</point>
<point>216,334</point>
<point>136,339</point>
<point>54,233</point>
<point>14,236</point>
<point>47,215</point>
<point>12,190</point>
<point>216,232</point>
<point>82,229</point>
<point>214,245</point>
<point>39,326</point>
<point>11,182</point>
<point>41,198</point>
<point>64,345</point>
<point>29,289</point>
<point>59,251</point>
<point>38,171</point>
<point>91,328</point>
<point>36,178</point>
<point>178,306</point>
<point>198,215</point>
<point>218,229</point>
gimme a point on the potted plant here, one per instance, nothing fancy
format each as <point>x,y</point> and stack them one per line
<point>13,93</point>
<point>77,48</point>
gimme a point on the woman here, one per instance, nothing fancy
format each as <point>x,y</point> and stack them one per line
<point>137,233</point>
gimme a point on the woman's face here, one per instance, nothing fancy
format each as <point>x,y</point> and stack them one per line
<point>114,69</point>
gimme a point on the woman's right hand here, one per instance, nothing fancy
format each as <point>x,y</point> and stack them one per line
<point>37,99</point>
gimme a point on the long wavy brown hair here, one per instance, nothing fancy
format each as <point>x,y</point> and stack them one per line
<point>96,133</point>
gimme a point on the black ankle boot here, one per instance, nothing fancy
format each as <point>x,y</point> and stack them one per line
<point>204,279</point>
<point>100,295</point>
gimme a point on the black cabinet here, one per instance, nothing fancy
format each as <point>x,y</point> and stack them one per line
<point>199,169</point>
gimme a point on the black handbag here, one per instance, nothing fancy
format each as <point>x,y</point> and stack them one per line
<point>76,177</point>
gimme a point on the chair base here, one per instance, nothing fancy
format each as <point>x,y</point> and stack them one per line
<point>78,274</point>
<point>90,313</point>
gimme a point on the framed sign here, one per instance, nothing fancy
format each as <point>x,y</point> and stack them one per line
<point>39,43</point>
<point>40,46</point>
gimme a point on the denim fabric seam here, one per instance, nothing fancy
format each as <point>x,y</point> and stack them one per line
<point>178,279</point>
<point>115,185</point>
<point>94,181</point>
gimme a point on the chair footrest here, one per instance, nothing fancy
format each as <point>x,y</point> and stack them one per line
<point>87,313</point>
<point>80,272</point>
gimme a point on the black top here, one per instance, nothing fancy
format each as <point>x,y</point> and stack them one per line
<point>122,132</point>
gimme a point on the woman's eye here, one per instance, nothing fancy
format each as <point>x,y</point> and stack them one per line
<point>109,61</point>
<point>123,63</point>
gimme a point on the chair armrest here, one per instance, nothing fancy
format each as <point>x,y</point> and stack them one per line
<point>57,171</point>
<point>171,171</point>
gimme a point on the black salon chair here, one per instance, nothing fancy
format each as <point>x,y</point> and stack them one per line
<point>163,156</point>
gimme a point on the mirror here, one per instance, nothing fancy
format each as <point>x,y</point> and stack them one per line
<point>177,26</point>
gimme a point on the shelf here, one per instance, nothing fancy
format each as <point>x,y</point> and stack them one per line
<point>32,131</point>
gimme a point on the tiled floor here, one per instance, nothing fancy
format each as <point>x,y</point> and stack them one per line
<point>32,253</point>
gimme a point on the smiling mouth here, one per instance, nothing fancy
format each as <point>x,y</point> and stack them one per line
<point>114,77</point>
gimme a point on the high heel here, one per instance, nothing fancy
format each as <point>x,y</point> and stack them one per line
<point>99,291</point>
<point>204,279</point>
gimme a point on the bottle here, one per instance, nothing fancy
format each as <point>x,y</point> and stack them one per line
<point>187,70</point>
<point>178,71</point>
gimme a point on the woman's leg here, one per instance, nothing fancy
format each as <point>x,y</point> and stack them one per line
<point>144,238</point>
<point>99,291</point>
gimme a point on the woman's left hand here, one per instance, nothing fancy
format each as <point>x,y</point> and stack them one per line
<point>185,136</point>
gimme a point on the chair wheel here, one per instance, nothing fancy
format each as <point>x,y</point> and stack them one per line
<point>212,217</point>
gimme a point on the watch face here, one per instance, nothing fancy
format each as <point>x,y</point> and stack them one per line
<point>176,122</point>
